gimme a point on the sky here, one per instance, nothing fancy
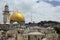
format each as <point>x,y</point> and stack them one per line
<point>41,10</point>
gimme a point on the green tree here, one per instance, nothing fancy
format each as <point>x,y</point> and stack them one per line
<point>57,28</point>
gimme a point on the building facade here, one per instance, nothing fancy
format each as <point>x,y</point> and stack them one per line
<point>6,14</point>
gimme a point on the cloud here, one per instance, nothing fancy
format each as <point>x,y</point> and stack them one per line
<point>45,11</point>
<point>40,11</point>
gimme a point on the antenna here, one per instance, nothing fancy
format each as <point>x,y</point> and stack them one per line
<point>31,17</point>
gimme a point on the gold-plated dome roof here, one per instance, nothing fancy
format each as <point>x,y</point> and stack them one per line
<point>17,16</point>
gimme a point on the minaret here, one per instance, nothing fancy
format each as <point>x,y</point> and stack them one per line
<point>6,14</point>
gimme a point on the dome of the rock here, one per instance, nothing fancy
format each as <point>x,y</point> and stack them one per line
<point>17,16</point>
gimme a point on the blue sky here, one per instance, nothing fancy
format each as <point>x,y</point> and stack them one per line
<point>40,9</point>
<point>52,2</point>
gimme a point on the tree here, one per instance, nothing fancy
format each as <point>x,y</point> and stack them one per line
<point>57,28</point>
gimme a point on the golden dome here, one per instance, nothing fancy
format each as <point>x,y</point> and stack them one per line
<point>17,16</point>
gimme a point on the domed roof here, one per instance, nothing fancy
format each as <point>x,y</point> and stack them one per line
<point>17,16</point>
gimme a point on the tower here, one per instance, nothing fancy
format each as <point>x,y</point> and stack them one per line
<point>6,14</point>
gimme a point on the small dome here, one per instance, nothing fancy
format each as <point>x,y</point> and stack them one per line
<point>17,16</point>
<point>6,5</point>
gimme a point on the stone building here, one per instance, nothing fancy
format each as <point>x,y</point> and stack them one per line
<point>6,14</point>
<point>52,37</point>
<point>33,36</point>
<point>12,22</point>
